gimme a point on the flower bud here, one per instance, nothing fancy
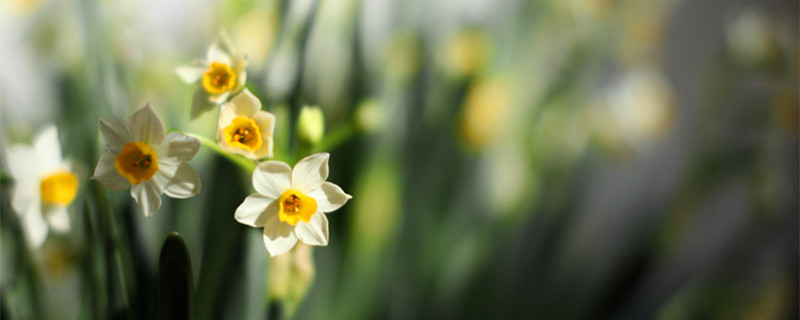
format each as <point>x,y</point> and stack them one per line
<point>311,125</point>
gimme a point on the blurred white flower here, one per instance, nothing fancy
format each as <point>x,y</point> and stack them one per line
<point>244,128</point>
<point>291,204</point>
<point>142,155</point>
<point>221,75</point>
<point>44,186</point>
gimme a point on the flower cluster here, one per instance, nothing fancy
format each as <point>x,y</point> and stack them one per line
<point>290,205</point>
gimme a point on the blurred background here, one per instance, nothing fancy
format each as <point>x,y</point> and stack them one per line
<point>508,159</point>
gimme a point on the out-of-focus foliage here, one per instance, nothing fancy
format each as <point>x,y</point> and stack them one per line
<point>507,159</point>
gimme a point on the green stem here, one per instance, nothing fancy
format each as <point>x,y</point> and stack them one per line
<point>243,163</point>
<point>336,137</point>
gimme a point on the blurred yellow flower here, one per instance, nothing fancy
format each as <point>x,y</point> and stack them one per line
<point>44,186</point>
<point>485,109</point>
<point>244,128</point>
<point>141,154</point>
<point>221,75</point>
<point>291,204</point>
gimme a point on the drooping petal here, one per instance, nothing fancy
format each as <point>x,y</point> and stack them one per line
<point>201,102</point>
<point>315,231</point>
<point>310,172</point>
<point>26,195</point>
<point>329,196</point>
<point>255,210</point>
<point>148,196</point>
<point>107,174</point>
<point>185,182</point>
<point>246,104</point>
<point>272,178</point>
<point>279,237</point>
<point>57,217</point>
<point>116,132</point>
<point>193,71</point>
<point>266,124</point>
<point>48,149</point>
<point>35,226</point>
<point>221,50</point>
<point>146,126</point>
<point>181,146</point>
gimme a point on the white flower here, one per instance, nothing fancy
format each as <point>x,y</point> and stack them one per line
<point>221,75</point>
<point>291,204</point>
<point>244,128</point>
<point>44,186</point>
<point>140,154</point>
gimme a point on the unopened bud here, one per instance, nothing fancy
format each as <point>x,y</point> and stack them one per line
<point>311,125</point>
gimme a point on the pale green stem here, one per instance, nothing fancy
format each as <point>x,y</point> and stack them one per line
<point>245,164</point>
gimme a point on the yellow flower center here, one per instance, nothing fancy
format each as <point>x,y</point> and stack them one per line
<point>295,206</point>
<point>219,78</point>
<point>243,133</point>
<point>136,162</point>
<point>59,188</point>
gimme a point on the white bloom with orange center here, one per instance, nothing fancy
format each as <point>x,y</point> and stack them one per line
<point>221,75</point>
<point>141,155</point>
<point>244,128</point>
<point>44,186</point>
<point>291,204</point>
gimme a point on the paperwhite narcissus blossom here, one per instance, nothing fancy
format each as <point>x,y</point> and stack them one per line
<point>221,75</point>
<point>291,204</point>
<point>44,186</point>
<point>244,128</point>
<point>141,155</point>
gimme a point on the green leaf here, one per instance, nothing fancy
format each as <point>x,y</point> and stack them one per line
<point>175,286</point>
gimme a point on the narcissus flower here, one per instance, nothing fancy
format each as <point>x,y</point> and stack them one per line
<point>244,128</point>
<point>44,186</point>
<point>221,75</point>
<point>142,156</point>
<point>291,204</point>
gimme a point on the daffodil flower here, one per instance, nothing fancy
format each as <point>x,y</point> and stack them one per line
<point>291,204</point>
<point>221,75</point>
<point>244,128</point>
<point>141,155</point>
<point>44,186</point>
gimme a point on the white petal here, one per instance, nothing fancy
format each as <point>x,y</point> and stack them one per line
<point>272,178</point>
<point>35,226</point>
<point>58,218</point>
<point>48,149</point>
<point>226,115</point>
<point>147,126</point>
<point>329,197</point>
<point>239,66</point>
<point>221,50</point>
<point>23,164</point>
<point>220,98</point>
<point>185,182</point>
<point>148,196</point>
<point>266,123</point>
<point>181,146</point>
<point>278,236</point>
<point>116,133</point>
<point>201,102</point>
<point>107,174</point>
<point>255,210</point>
<point>246,104</point>
<point>26,195</point>
<point>193,71</point>
<point>310,172</point>
<point>315,232</point>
